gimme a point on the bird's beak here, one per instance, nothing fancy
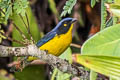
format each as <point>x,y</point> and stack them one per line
<point>73,20</point>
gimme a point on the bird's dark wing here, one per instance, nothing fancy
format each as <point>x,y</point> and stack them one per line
<point>46,38</point>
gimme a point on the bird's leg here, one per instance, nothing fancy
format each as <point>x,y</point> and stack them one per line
<point>46,51</point>
<point>16,65</point>
<point>25,62</point>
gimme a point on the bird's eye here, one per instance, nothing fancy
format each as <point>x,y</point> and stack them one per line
<point>65,25</point>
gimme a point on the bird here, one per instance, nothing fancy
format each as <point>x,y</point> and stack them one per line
<point>59,38</point>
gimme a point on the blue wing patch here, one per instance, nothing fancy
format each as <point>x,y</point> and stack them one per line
<point>46,38</point>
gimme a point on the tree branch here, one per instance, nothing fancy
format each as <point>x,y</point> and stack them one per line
<point>32,50</point>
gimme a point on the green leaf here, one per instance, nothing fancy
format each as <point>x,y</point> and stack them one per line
<point>53,7</point>
<point>113,79</point>
<point>67,55</point>
<point>103,14</point>
<point>68,7</point>
<point>105,42</point>
<point>107,65</point>
<point>115,8</point>
<point>68,3</point>
<point>20,6</point>
<point>93,75</point>
<point>116,12</point>
<point>110,1</point>
<point>116,1</point>
<point>33,27</point>
<point>33,72</point>
<point>93,2</point>
<point>58,74</point>
<point>3,4</point>
<point>4,75</point>
<point>1,35</point>
<point>8,12</point>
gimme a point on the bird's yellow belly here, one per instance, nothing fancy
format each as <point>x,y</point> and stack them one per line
<point>58,44</point>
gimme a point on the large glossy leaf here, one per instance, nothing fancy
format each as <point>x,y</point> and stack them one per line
<point>107,65</point>
<point>105,42</point>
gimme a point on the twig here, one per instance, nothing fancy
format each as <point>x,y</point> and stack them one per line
<point>32,50</point>
<point>16,41</point>
<point>9,38</point>
<point>29,27</point>
<point>75,45</point>
<point>24,37</point>
<point>23,21</point>
<point>2,11</point>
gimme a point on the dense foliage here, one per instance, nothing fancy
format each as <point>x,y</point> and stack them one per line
<point>97,31</point>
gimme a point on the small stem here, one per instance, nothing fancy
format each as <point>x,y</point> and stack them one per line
<point>2,11</point>
<point>75,45</point>
<point>29,28</point>
<point>23,21</point>
<point>24,37</point>
<point>12,39</point>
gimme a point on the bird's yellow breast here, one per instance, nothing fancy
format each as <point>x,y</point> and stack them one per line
<point>59,43</point>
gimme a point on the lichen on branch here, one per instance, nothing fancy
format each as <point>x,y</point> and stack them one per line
<point>32,50</point>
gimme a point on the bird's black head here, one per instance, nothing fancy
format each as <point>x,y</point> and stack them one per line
<point>64,25</point>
